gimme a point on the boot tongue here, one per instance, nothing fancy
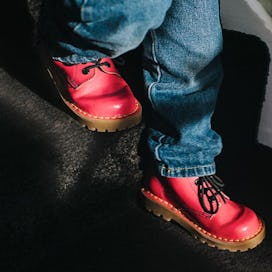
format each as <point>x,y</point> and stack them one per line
<point>73,72</point>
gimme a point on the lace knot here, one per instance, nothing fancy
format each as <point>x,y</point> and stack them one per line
<point>96,64</point>
<point>209,190</point>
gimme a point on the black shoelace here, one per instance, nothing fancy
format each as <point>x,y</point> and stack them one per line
<point>96,64</point>
<point>209,189</point>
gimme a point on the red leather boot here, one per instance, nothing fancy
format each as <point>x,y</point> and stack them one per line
<point>199,205</point>
<point>97,94</point>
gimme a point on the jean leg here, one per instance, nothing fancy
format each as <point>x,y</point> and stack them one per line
<point>82,30</point>
<point>183,74</point>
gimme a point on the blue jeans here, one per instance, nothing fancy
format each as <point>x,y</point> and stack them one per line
<point>181,39</point>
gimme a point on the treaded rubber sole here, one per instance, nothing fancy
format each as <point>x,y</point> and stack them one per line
<point>168,212</point>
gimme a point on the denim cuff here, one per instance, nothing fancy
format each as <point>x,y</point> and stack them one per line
<point>74,59</point>
<point>195,171</point>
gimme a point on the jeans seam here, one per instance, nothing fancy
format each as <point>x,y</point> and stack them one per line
<point>81,10</point>
<point>156,149</point>
<point>159,74</point>
<point>153,37</point>
<point>186,168</point>
<point>203,170</point>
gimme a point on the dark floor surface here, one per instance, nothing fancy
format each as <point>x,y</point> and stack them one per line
<point>69,197</point>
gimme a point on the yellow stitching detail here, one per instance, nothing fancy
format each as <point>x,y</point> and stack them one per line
<point>104,117</point>
<point>199,228</point>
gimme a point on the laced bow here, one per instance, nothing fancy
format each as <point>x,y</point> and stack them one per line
<point>209,190</point>
<point>96,64</point>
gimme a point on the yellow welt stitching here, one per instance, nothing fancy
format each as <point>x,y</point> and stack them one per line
<point>199,228</point>
<point>103,117</point>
